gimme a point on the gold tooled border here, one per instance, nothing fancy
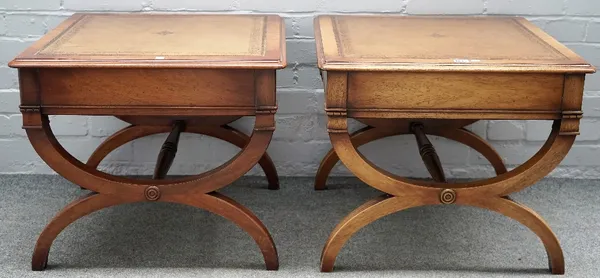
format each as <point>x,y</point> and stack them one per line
<point>345,45</point>
<point>256,47</point>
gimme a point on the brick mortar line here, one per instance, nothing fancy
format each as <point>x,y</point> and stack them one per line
<point>20,39</point>
<point>291,89</point>
<point>597,44</point>
<point>485,7</point>
<point>564,6</point>
<point>9,91</point>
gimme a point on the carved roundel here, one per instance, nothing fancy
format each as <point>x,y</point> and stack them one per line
<point>152,193</point>
<point>447,196</point>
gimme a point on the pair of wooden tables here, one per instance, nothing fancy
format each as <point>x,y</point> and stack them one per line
<point>398,75</point>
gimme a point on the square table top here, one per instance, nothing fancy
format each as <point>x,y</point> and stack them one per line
<point>160,40</point>
<point>440,43</point>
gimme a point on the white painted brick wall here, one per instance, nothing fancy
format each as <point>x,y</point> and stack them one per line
<point>273,6</point>
<point>525,7</point>
<point>538,130</point>
<point>590,52</point>
<point>182,5</point>
<point>353,6</point>
<point>301,139</point>
<point>80,5</point>
<point>12,5</point>
<point>582,7</point>
<point>567,30</point>
<point>444,7</point>
<point>506,130</point>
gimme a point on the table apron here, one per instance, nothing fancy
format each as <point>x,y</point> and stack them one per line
<point>455,114</point>
<point>503,92</point>
<point>145,88</point>
<point>132,110</point>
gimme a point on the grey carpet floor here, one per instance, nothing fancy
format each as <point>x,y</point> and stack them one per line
<point>170,240</point>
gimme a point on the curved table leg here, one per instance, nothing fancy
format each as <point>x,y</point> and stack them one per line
<point>386,205</point>
<point>226,133</point>
<point>75,210</point>
<point>489,193</point>
<point>370,134</point>
<point>531,220</point>
<point>213,202</point>
<point>359,218</point>
<point>359,138</point>
<point>112,190</point>
<point>229,209</point>
<point>266,163</point>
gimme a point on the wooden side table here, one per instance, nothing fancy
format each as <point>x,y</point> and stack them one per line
<point>435,75</point>
<point>161,73</point>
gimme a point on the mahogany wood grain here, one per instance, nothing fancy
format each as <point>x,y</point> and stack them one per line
<point>386,205</point>
<point>229,209</point>
<point>455,91</point>
<point>403,125</point>
<point>530,219</point>
<point>225,133</point>
<point>148,87</point>
<point>167,121</point>
<point>213,202</point>
<point>445,73</point>
<point>79,208</point>
<point>449,130</point>
<point>52,152</point>
<point>359,138</point>
<point>62,162</point>
<point>360,217</point>
<point>204,70</point>
<point>425,193</point>
<point>538,166</point>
